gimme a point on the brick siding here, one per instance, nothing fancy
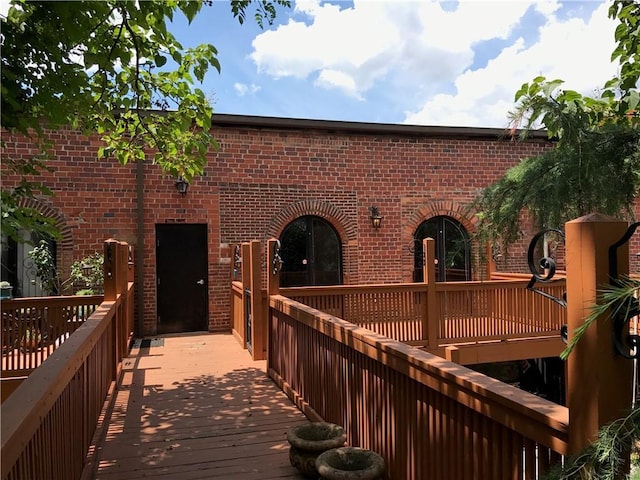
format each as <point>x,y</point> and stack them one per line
<point>267,173</point>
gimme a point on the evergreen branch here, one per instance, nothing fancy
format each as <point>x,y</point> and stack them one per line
<point>613,300</point>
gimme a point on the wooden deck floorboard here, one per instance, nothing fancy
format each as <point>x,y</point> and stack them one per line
<point>196,406</point>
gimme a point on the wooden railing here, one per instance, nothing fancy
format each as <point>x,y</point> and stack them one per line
<point>459,312</point>
<point>49,421</point>
<point>497,310</point>
<point>396,311</point>
<point>434,315</point>
<point>249,300</point>
<point>428,418</point>
<point>32,328</point>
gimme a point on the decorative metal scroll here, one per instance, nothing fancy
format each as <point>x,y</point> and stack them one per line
<point>236,261</point>
<point>277,259</point>
<point>547,264</point>
<point>630,308</point>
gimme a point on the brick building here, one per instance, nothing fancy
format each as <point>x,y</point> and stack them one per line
<point>310,183</point>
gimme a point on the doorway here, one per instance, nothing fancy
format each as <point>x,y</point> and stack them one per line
<point>311,253</point>
<point>453,250</point>
<point>182,278</point>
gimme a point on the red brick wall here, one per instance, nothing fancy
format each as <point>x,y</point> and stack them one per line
<point>264,176</point>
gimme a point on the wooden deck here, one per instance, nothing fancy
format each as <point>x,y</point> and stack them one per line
<point>195,406</point>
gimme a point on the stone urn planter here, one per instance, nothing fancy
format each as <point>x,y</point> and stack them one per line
<point>309,440</point>
<point>350,463</point>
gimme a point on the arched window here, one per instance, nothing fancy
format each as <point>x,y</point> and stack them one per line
<point>310,250</point>
<point>19,269</point>
<point>453,249</point>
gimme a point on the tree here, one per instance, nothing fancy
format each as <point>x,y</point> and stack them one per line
<point>103,67</point>
<point>595,165</point>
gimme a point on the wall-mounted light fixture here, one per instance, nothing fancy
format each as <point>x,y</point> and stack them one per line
<point>182,186</point>
<point>376,218</point>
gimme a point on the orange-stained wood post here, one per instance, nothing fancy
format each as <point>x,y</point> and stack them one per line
<point>232,277</point>
<point>599,382</point>
<point>273,288</point>
<point>491,262</point>
<point>110,268</point>
<point>258,319</point>
<point>122,328</point>
<point>245,250</point>
<point>116,278</point>
<point>123,267</point>
<point>432,312</point>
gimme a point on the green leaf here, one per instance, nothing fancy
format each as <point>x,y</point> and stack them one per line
<point>160,60</point>
<point>125,47</point>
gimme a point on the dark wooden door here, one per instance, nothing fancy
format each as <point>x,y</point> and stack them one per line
<point>181,277</point>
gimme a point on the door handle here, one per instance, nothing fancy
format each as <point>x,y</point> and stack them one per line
<point>200,282</point>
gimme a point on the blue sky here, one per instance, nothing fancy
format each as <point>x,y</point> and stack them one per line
<point>455,63</point>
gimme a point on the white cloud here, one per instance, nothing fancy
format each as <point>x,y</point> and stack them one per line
<point>574,51</point>
<point>244,89</point>
<point>449,63</point>
<point>348,42</point>
<point>330,79</point>
<point>375,39</point>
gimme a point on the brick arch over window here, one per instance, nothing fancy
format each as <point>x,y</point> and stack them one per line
<point>64,244</point>
<point>451,209</point>
<point>66,234</point>
<point>345,226</point>
<point>436,209</point>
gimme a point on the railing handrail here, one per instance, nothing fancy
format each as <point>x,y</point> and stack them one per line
<point>411,287</point>
<point>41,389</point>
<point>350,289</point>
<point>65,300</point>
<point>483,285</point>
<point>547,422</point>
<point>63,397</point>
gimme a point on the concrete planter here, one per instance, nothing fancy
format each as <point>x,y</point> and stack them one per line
<point>350,463</point>
<point>310,440</point>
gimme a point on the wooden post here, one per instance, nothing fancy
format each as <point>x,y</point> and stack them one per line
<point>273,288</point>
<point>232,277</point>
<point>112,272</point>
<point>246,285</point>
<point>122,275</point>
<point>599,382</point>
<point>258,326</point>
<point>432,318</point>
<point>110,267</point>
<point>491,262</point>
<point>123,267</point>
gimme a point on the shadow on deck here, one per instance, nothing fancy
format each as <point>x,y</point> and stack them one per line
<point>195,406</point>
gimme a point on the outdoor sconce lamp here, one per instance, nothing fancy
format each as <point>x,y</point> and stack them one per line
<point>182,186</point>
<point>376,218</point>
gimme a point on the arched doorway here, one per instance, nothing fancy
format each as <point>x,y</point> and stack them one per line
<point>311,252</point>
<point>453,249</point>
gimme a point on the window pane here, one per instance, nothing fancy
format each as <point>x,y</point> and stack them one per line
<point>311,253</point>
